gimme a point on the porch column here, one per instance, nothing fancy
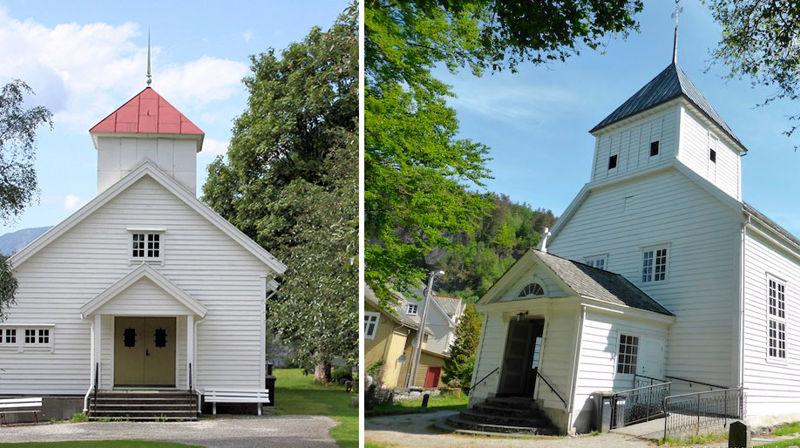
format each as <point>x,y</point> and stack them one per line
<point>96,343</point>
<point>190,350</point>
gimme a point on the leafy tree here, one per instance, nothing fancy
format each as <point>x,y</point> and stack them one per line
<point>290,181</point>
<point>417,171</point>
<point>458,367</point>
<point>18,185</point>
<point>759,41</point>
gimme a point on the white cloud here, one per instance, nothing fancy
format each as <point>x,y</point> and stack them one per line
<point>82,72</point>
<point>71,202</point>
<point>212,147</point>
<point>247,36</point>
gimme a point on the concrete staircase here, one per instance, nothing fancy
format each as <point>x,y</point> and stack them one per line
<point>507,416</point>
<point>136,405</point>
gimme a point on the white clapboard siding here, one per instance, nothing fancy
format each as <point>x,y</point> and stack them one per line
<point>598,359</point>
<point>117,156</point>
<point>489,357</point>
<point>557,356</point>
<point>702,287</point>
<point>631,143</point>
<point>696,140</point>
<point>772,388</point>
<point>198,257</point>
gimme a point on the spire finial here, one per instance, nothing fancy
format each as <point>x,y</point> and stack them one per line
<point>676,14</point>
<point>149,76</point>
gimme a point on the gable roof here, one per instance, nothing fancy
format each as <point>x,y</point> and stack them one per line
<point>599,284</point>
<point>399,314</point>
<point>143,271</point>
<point>148,168</point>
<point>147,113</point>
<point>671,83</point>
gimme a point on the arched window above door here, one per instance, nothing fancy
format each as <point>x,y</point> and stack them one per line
<point>532,290</point>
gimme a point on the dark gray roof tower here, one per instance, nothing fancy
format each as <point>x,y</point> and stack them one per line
<point>671,83</point>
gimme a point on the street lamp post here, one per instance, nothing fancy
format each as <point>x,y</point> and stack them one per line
<point>416,353</point>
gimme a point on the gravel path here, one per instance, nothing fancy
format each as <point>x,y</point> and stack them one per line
<point>225,432</point>
<point>415,431</point>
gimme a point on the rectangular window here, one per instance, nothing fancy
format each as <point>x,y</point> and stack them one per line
<point>44,336</point>
<point>712,155</point>
<point>371,324</point>
<point>654,265</point>
<point>146,245</point>
<point>628,353</point>
<point>412,309</point>
<point>597,261</point>
<point>30,336</point>
<point>612,162</point>
<point>654,148</point>
<point>776,317</point>
<point>10,336</point>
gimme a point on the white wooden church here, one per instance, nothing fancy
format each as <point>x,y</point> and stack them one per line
<point>144,288</point>
<point>657,269</point>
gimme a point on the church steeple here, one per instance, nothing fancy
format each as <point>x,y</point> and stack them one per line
<point>675,15</point>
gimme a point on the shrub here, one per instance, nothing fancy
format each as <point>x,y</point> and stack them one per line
<point>80,417</point>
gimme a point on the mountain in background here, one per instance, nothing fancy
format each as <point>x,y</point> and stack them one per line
<point>14,241</point>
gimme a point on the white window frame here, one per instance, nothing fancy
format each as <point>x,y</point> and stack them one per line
<point>368,315</point>
<point>650,277</point>
<point>617,357</point>
<point>160,231</point>
<point>776,314</point>
<point>409,309</point>
<point>20,344</point>
<point>594,259</point>
<point>525,286</point>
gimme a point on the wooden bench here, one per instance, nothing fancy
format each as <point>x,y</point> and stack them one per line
<point>216,395</point>
<point>20,405</point>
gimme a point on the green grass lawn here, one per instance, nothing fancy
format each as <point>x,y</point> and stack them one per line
<point>437,403</point>
<point>296,394</point>
<point>101,444</point>
<point>780,444</point>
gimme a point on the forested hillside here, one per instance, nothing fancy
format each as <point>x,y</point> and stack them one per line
<point>475,261</point>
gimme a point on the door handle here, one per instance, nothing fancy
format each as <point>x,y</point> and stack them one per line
<point>147,352</point>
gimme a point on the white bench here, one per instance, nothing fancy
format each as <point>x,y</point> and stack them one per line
<point>20,405</point>
<point>216,395</point>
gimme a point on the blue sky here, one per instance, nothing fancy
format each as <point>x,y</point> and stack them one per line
<point>537,121</point>
<point>86,58</point>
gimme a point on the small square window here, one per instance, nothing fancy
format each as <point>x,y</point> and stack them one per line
<point>654,148</point>
<point>44,336</point>
<point>612,162</point>
<point>10,336</point>
<point>412,309</point>
<point>30,336</point>
<point>712,155</point>
<point>146,245</point>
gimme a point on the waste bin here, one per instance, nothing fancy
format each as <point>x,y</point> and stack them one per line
<point>601,410</point>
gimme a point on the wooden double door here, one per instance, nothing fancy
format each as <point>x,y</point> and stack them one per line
<point>521,358</point>
<point>144,351</point>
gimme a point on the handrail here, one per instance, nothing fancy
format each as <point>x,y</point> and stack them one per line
<point>96,383</point>
<point>696,382</point>
<point>539,374</point>
<point>728,389</point>
<point>190,377</point>
<point>700,412</point>
<point>92,387</point>
<point>484,378</point>
<point>636,375</point>
<point>628,391</point>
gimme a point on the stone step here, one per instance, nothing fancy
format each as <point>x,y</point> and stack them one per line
<point>144,400</point>
<point>512,402</point>
<point>146,419</point>
<point>488,408</point>
<point>139,407</point>
<point>166,394</point>
<point>460,423</point>
<point>503,420</point>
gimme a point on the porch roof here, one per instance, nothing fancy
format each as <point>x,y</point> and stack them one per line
<point>599,284</point>
<point>143,271</point>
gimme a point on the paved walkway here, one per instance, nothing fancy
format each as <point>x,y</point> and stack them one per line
<point>416,431</point>
<point>223,432</point>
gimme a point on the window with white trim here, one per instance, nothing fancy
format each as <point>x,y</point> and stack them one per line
<point>531,289</point>
<point>371,324</point>
<point>597,261</point>
<point>654,265</point>
<point>10,336</point>
<point>776,317</point>
<point>627,353</point>
<point>146,246</point>
<point>412,309</point>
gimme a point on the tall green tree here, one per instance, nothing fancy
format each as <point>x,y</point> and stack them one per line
<point>458,366</point>
<point>759,42</point>
<point>417,170</point>
<point>290,182</point>
<point>18,184</point>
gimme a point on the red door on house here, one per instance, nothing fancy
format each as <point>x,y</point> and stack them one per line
<point>432,378</point>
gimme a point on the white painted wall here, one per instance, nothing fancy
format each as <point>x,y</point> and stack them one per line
<point>696,139</point>
<point>704,238</point>
<point>631,143</point>
<point>198,257</point>
<point>118,156</point>
<point>597,367</point>
<point>772,387</point>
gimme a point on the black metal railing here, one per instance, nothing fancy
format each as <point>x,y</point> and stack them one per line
<point>639,404</point>
<point>191,385</point>
<point>643,380</point>
<point>693,382</point>
<point>552,388</point>
<point>693,411</point>
<point>96,384</point>
<point>483,379</point>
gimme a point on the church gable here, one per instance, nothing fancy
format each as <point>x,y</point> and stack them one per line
<point>535,281</point>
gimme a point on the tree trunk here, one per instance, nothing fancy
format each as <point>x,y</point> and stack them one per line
<point>322,373</point>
